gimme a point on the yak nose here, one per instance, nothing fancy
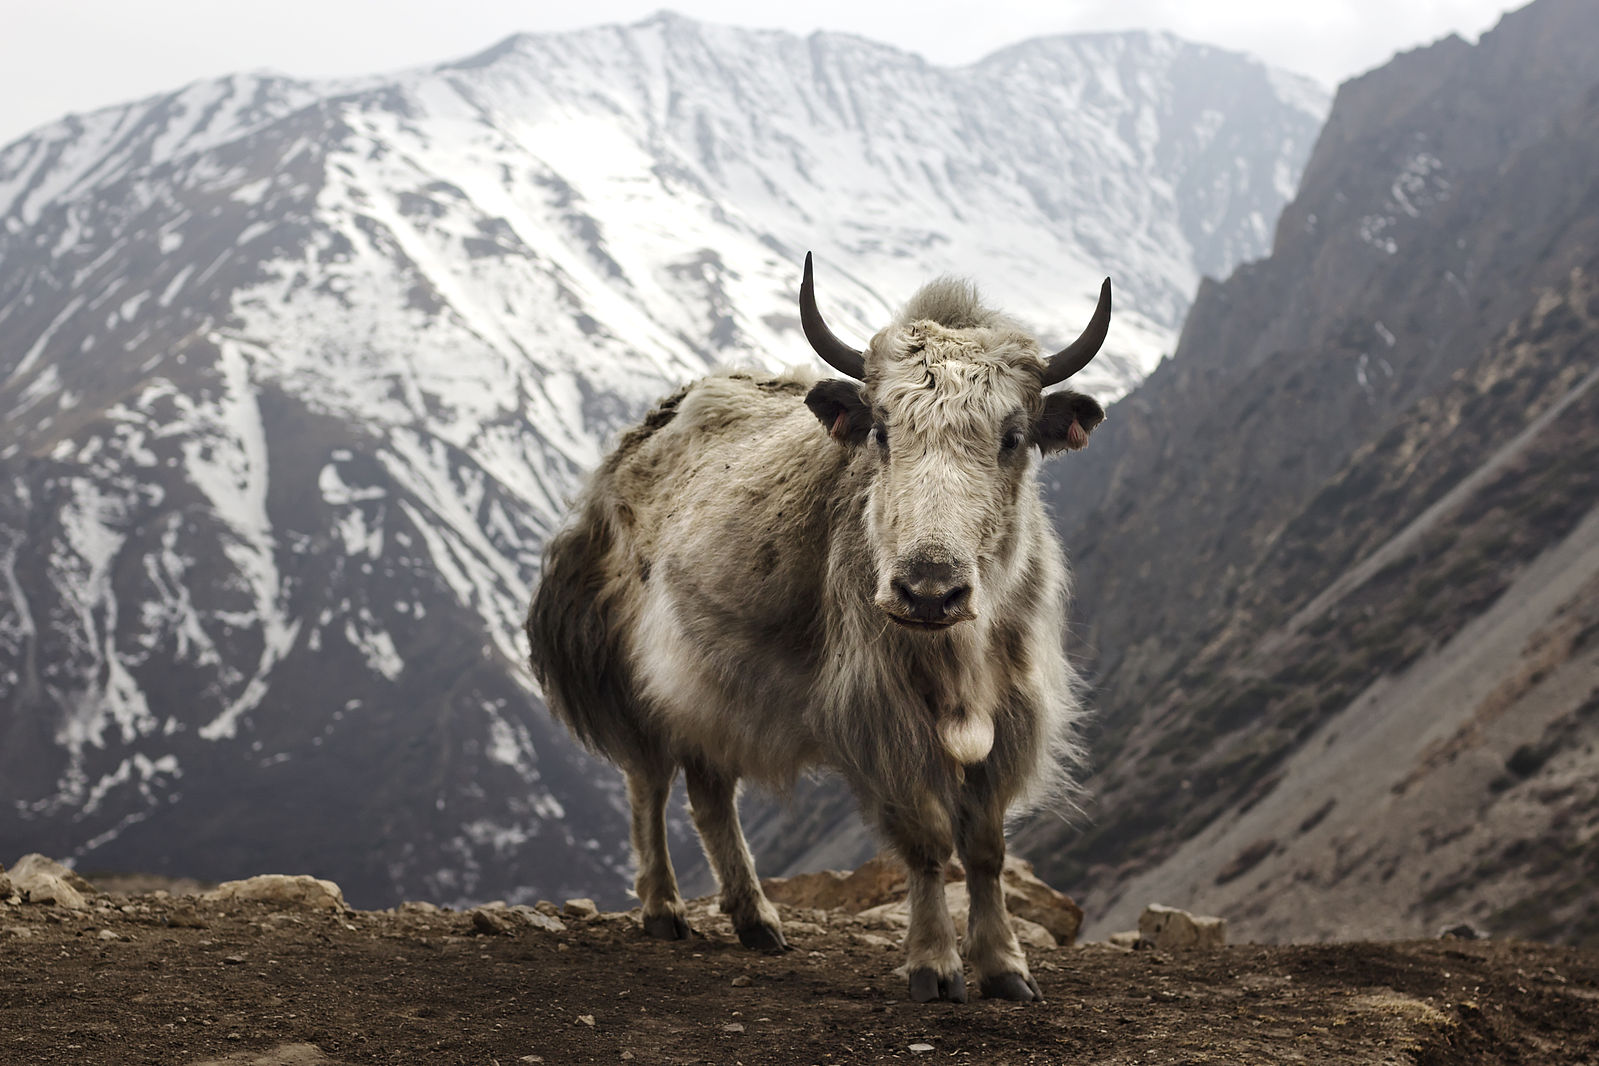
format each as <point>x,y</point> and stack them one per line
<point>933,591</point>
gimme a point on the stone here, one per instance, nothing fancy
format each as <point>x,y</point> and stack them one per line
<point>580,908</point>
<point>1171,929</point>
<point>1461,931</point>
<point>536,918</point>
<point>292,890</point>
<point>42,880</point>
<point>742,981</point>
<point>733,1027</point>
<point>920,1049</point>
<point>586,1019</point>
<point>878,881</point>
<point>1127,938</point>
<point>487,921</point>
<point>898,916</point>
<point>1028,897</point>
<point>417,906</point>
<point>5,884</point>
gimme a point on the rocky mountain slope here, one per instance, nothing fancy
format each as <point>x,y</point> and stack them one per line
<point>1339,558</point>
<point>296,377</point>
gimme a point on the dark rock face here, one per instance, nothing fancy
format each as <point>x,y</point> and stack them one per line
<point>1428,295</point>
<point>1368,448</point>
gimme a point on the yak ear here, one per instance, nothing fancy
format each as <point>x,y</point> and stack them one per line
<point>838,404</point>
<point>1068,418</point>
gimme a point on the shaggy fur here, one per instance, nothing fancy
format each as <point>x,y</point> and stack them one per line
<point>722,599</point>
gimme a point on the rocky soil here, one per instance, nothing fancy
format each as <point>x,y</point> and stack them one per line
<point>162,977</point>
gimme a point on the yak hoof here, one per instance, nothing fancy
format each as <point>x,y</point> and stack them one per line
<point>666,926</point>
<point>1011,986</point>
<point>927,984</point>
<point>762,937</point>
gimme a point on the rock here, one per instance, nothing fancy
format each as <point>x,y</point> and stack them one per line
<point>185,916</point>
<point>742,981</point>
<point>417,906</point>
<point>733,1027</point>
<point>1170,929</point>
<point>580,908</point>
<point>586,1019</point>
<point>1027,896</point>
<point>898,916</point>
<point>5,884</point>
<point>1129,939</point>
<point>44,880</point>
<point>293,890</point>
<point>878,881</point>
<point>876,892</point>
<point>1461,931</point>
<point>920,1049</point>
<point>490,922</point>
<point>536,918</point>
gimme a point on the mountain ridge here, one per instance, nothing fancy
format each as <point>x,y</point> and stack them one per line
<point>297,379</point>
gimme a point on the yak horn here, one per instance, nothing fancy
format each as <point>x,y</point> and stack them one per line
<point>1080,352</point>
<point>838,355</point>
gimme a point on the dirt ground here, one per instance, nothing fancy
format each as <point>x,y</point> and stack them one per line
<point>169,979</point>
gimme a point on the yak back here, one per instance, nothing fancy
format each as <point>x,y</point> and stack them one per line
<point>597,566</point>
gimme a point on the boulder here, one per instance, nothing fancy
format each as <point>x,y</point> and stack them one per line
<point>1170,929</point>
<point>44,880</point>
<point>1029,898</point>
<point>289,890</point>
<point>878,881</point>
<point>582,908</point>
<point>897,915</point>
<point>5,884</point>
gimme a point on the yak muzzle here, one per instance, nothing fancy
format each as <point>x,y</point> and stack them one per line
<point>926,592</point>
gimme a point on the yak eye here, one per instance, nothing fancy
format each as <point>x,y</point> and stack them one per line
<point>880,435</point>
<point>1011,440</point>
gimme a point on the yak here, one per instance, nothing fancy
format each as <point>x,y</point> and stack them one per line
<point>774,574</point>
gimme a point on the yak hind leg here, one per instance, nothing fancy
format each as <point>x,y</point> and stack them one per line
<point>991,943</point>
<point>712,797</point>
<point>932,957</point>
<point>648,787</point>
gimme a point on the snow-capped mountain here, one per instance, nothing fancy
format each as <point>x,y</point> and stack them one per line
<point>296,377</point>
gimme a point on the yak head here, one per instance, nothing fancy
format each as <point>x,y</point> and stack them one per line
<point>947,405</point>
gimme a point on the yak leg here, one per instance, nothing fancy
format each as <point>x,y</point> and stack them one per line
<point>923,841</point>
<point>712,797</point>
<point>656,884</point>
<point>991,944</point>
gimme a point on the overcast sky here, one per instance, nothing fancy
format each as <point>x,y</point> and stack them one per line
<point>78,55</point>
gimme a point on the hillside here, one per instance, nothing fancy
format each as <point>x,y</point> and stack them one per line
<point>1335,559</point>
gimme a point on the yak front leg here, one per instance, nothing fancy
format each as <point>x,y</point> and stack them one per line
<point>656,884</point>
<point>713,800</point>
<point>991,943</point>
<point>922,839</point>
